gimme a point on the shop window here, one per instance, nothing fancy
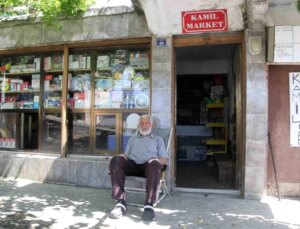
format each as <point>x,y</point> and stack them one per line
<point>79,133</point>
<point>106,139</point>
<point>8,133</point>
<point>51,133</point>
<point>20,77</point>
<point>105,87</point>
<point>122,79</point>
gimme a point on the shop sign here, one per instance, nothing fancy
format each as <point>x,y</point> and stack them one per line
<point>294,78</point>
<point>204,21</point>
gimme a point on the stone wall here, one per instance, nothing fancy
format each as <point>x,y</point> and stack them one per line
<point>79,171</point>
<point>17,34</point>
<point>256,118</point>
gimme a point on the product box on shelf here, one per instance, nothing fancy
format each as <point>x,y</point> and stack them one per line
<point>37,64</point>
<point>35,81</point>
<point>122,84</point>
<point>103,84</point>
<point>9,105</point>
<point>47,63</point>
<point>102,98</point>
<point>52,102</point>
<point>8,143</point>
<point>103,61</point>
<point>140,84</point>
<point>82,100</point>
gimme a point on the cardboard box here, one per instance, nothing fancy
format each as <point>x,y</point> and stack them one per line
<point>103,62</point>
<point>10,105</point>
<point>35,81</point>
<point>8,143</point>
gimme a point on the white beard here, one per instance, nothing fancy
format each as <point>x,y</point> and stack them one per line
<point>145,132</point>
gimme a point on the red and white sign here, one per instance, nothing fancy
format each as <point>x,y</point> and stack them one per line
<point>204,21</point>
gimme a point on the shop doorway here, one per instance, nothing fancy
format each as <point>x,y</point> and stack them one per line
<point>207,91</point>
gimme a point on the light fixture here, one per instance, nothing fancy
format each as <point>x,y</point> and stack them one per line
<point>255,44</point>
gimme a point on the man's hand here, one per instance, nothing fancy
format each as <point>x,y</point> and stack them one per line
<point>162,160</point>
<point>123,155</point>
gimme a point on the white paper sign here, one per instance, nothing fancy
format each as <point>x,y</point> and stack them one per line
<point>283,53</point>
<point>283,34</point>
<point>294,81</point>
<point>287,44</point>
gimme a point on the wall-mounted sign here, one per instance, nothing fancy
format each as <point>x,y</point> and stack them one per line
<point>287,44</point>
<point>161,42</point>
<point>294,109</point>
<point>204,21</point>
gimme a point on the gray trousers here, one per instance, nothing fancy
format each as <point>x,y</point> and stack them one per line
<point>120,168</point>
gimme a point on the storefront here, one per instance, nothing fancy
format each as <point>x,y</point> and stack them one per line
<point>69,96</point>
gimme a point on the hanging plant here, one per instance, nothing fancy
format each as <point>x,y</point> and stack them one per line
<point>298,5</point>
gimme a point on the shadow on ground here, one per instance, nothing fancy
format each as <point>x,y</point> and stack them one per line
<point>33,205</point>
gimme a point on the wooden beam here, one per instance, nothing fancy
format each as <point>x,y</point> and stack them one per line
<point>64,106</point>
<point>111,42</point>
<point>39,49</point>
<point>208,39</point>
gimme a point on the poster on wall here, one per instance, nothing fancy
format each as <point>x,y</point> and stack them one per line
<point>294,82</point>
<point>287,44</point>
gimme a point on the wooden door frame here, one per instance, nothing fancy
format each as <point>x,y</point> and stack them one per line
<point>216,39</point>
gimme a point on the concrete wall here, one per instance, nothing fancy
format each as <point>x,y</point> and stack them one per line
<point>282,12</point>
<point>164,17</point>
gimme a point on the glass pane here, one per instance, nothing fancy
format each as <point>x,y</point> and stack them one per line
<point>52,133</point>
<point>79,80</point>
<point>53,77</point>
<point>130,122</point>
<point>79,133</point>
<point>8,130</point>
<point>20,82</point>
<point>106,138</point>
<point>122,79</point>
<point>29,130</point>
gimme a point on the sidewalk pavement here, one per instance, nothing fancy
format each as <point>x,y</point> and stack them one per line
<point>26,204</point>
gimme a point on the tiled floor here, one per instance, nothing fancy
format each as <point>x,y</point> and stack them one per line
<point>203,174</point>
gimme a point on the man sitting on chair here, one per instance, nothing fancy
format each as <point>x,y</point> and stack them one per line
<point>145,155</point>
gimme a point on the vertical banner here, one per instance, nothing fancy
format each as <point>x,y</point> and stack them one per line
<point>294,78</point>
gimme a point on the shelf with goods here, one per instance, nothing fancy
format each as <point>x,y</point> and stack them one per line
<point>79,80</point>
<point>216,120</point>
<point>20,82</point>
<point>53,75</point>
<point>20,100</point>
<point>122,79</point>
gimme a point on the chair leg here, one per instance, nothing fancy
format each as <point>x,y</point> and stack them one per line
<point>163,192</point>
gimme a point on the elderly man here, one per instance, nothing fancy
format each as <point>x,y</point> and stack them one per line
<point>144,156</point>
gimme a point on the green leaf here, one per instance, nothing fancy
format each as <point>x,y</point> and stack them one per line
<point>51,9</point>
